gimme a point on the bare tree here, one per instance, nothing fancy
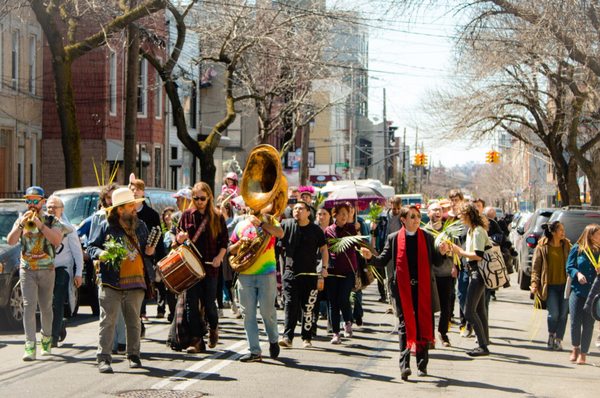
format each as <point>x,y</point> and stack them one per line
<point>74,28</point>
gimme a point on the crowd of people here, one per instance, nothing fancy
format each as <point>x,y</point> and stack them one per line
<point>301,267</point>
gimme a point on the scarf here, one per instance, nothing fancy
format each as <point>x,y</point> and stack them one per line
<point>421,339</point>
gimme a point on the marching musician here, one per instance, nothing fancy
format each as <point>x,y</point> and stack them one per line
<point>39,235</point>
<point>125,272</point>
<point>258,283</point>
<point>205,227</point>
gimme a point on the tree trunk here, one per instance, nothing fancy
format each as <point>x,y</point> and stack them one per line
<point>131,99</point>
<point>65,108</point>
<point>571,185</point>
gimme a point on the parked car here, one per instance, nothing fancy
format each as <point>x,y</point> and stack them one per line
<point>575,220</point>
<point>11,299</point>
<point>530,233</point>
<point>514,236</point>
<point>80,203</point>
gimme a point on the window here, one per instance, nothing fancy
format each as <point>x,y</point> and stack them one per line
<point>14,63</point>
<point>143,89</point>
<point>157,167</point>
<point>158,95</point>
<point>112,83</point>
<point>32,63</point>
<point>174,153</point>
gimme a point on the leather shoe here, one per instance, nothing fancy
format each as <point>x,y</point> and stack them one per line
<point>478,352</point>
<point>405,373</point>
<point>213,337</point>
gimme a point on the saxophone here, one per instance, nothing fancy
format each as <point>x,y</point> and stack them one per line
<point>263,184</point>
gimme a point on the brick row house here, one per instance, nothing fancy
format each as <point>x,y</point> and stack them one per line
<point>21,76</point>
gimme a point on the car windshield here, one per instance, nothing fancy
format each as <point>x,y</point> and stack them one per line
<point>78,207</point>
<point>7,220</point>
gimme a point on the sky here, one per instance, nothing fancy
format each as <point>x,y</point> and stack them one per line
<point>410,57</point>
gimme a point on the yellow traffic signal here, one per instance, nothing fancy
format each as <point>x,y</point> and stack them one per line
<point>489,157</point>
<point>496,157</point>
<point>423,159</point>
<point>418,159</point>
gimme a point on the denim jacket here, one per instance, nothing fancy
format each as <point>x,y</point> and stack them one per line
<point>578,262</point>
<point>109,275</point>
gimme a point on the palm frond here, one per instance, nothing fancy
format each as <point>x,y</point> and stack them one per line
<point>374,212</point>
<point>319,199</point>
<point>340,245</point>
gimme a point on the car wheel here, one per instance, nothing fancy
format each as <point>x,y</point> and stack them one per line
<point>524,281</point>
<point>14,311</point>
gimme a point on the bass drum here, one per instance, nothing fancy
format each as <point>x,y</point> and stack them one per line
<point>181,269</point>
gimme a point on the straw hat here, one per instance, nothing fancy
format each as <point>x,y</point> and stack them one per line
<point>123,196</point>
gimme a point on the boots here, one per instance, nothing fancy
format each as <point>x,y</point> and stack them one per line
<point>213,337</point>
<point>196,346</point>
<point>574,354</point>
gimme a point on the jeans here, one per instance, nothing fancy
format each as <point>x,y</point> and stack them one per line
<point>300,298</point>
<point>61,292</point>
<point>463,286</point>
<point>558,310</point>
<point>582,323</point>
<point>202,293</point>
<point>338,295</point>
<point>475,311</point>
<point>130,303</point>
<point>445,285</point>
<point>357,310</point>
<point>257,290</point>
<point>37,288</point>
<point>120,331</point>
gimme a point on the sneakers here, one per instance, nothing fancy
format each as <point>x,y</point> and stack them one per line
<point>557,345</point>
<point>445,340</point>
<point>478,352</point>
<point>46,345</point>
<point>274,350</point>
<point>135,362</point>
<point>306,344</point>
<point>422,372</point>
<point>213,337</point>
<point>336,339</point>
<point>550,343</point>
<point>250,357</point>
<point>466,331</point>
<point>285,342</point>
<point>348,329</point>
<point>29,354</point>
<point>104,367</point>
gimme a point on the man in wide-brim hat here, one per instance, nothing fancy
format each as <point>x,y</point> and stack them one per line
<point>123,279</point>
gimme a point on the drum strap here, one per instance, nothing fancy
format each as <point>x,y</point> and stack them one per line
<point>201,229</point>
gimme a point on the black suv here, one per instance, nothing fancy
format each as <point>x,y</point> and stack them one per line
<point>532,232</point>
<point>575,219</point>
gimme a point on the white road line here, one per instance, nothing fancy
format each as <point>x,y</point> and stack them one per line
<point>225,362</point>
<point>198,365</point>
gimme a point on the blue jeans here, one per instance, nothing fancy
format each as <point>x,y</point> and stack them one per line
<point>558,310</point>
<point>257,290</point>
<point>463,286</point>
<point>582,323</point>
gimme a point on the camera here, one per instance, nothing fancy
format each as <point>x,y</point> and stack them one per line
<point>292,201</point>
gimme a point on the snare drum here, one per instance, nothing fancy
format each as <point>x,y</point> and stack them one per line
<point>181,269</point>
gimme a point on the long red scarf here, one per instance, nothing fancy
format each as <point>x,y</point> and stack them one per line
<point>422,338</point>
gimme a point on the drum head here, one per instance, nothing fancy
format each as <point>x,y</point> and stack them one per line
<point>192,261</point>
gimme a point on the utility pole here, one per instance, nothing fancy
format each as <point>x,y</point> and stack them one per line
<point>403,181</point>
<point>131,94</point>
<point>304,163</point>
<point>386,141</point>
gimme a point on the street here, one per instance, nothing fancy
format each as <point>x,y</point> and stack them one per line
<point>365,365</point>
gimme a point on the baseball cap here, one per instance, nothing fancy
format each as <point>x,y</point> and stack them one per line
<point>35,191</point>
<point>183,193</point>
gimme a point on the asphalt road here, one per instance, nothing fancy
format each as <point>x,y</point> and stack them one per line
<point>364,366</point>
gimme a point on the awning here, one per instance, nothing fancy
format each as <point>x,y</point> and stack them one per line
<point>114,152</point>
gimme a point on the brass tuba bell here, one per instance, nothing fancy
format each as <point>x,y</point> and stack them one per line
<point>263,184</point>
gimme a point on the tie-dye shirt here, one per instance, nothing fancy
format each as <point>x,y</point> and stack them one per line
<point>265,262</point>
<point>37,253</point>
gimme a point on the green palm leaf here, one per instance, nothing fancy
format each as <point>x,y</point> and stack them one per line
<point>340,245</point>
<point>374,212</point>
<point>319,199</point>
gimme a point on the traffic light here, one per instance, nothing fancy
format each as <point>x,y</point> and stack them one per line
<point>423,160</point>
<point>489,157</point>
<point>496,157</point>
<point>418,159</point>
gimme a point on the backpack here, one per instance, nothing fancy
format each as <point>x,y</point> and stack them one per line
<point>492,268</point>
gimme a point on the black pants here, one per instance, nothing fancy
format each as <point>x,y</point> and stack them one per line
<point>299,298</point>
<point>422,353</point>
<point>475,308</point>
<point>203,293</point>
<point>445,287</point>
<point>161,297</point>
<point>60,295</point>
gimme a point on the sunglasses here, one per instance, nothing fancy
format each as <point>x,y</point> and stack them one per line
<point>200,198</point>
<point>413,216</point>
<point>33,201</point>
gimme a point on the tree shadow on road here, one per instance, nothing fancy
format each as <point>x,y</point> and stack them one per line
<point>293,363</point>
<point>449,382</point>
